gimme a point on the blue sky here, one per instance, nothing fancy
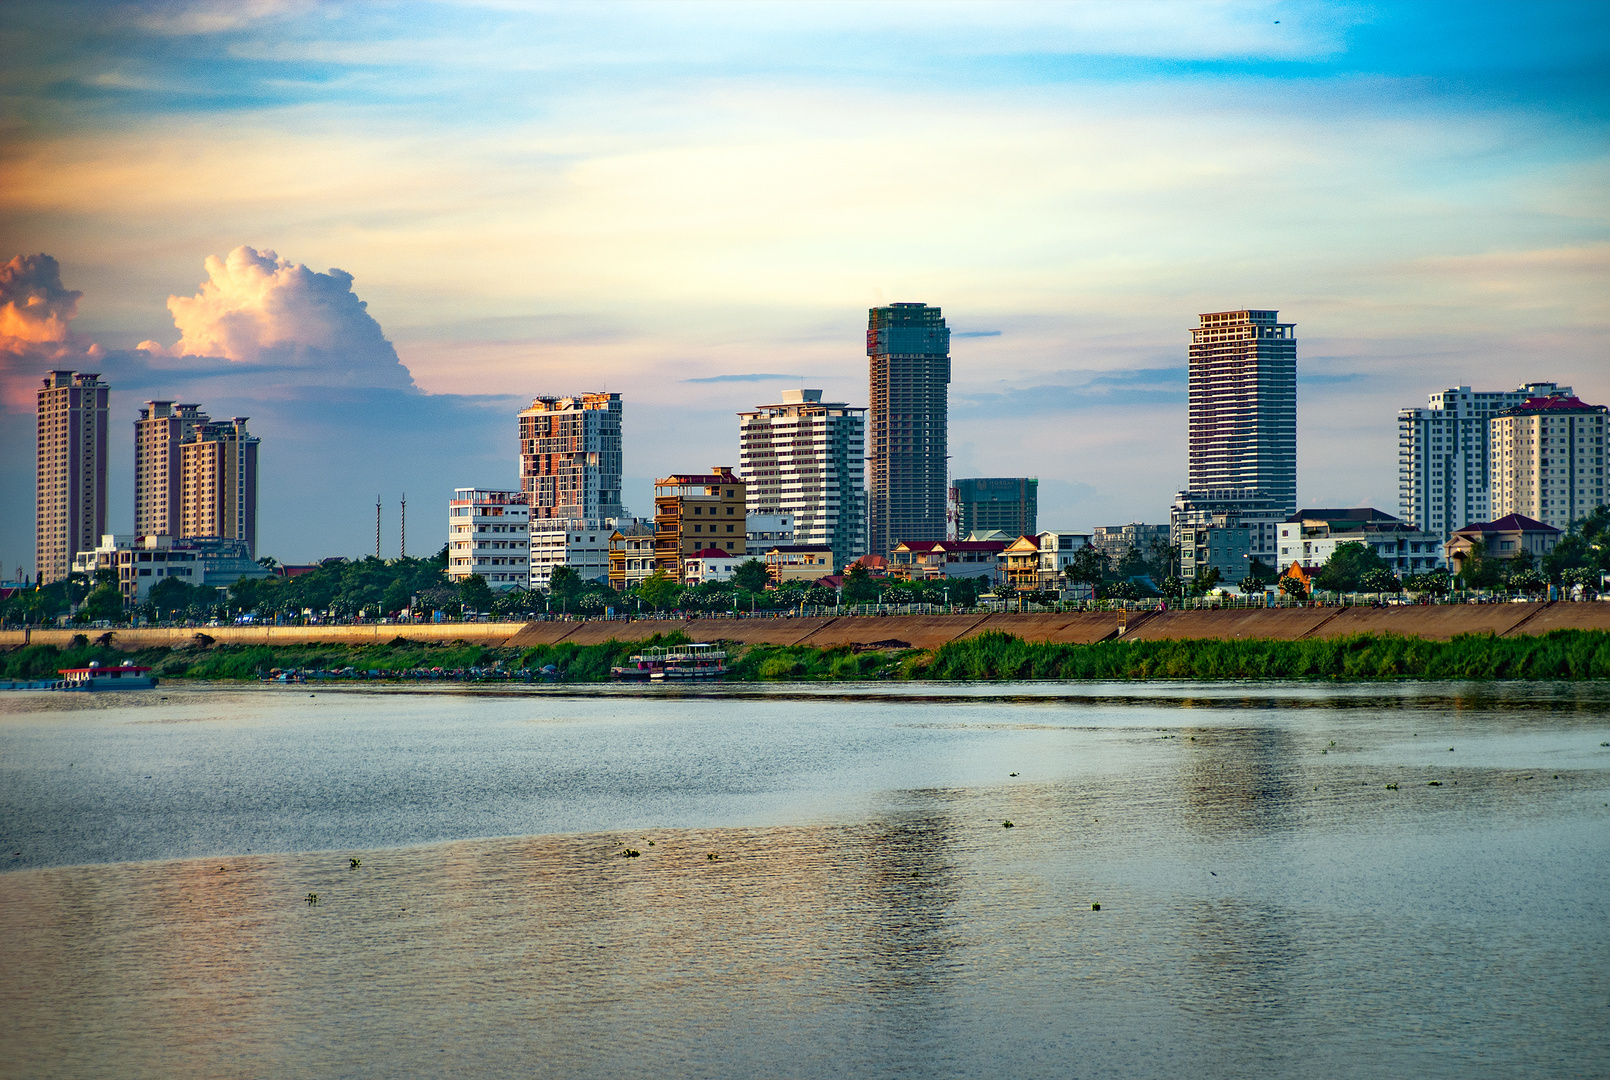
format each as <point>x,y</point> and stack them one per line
<point>662,199</point>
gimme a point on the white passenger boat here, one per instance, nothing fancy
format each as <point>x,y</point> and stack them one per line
<point>692,662</point>
<point>125,676</point>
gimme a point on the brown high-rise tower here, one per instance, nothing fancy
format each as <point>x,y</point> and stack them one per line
<point>70,501</point>
<point>158,433</point>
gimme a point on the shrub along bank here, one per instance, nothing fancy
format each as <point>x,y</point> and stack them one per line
<point>1562,654</point>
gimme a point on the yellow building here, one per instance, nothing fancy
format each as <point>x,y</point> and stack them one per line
<point>695,511</point>
<point>799,562</point>
<point>1023,562</point>
<point>631,556</point>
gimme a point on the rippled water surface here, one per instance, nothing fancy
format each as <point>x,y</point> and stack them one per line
<point>1268,904</point>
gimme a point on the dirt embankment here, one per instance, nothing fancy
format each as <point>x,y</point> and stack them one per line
<point>914,631</point>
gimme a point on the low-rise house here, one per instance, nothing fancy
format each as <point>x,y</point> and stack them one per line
<point>631,555</point>
<point>922,560</point>
<point>1022,562</point>
<point>799,562</point>
<point>1310,537</point>
<point>1057,550</point>
<point>142,562</point>
<point>761,531</point>
<point>1505,538</point>
<point>711,564</point>
<point>580,543</point>
<point>1227,548</point>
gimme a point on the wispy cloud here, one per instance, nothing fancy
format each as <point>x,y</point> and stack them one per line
<point>761,376</point>
<point>974,333</point>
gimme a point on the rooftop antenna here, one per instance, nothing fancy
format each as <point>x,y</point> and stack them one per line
<point>377,526</point>
<point>404,543</point>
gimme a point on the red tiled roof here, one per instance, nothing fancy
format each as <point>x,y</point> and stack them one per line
<point>1510,523</point>
<point>1541,404</point>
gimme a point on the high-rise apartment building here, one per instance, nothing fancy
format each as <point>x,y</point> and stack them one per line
<point>1242,461</point>
<point>909,350</point>
<point>1243,407</point>
<point>697,511</point>
<point>1010,504</point>
<point>70,499</point>
<point>570,457</point>
<point>805,458</point>
<point>1445,455</point>
<point>158,434</point>
<point>1548,459</point>
<point>218,482</point>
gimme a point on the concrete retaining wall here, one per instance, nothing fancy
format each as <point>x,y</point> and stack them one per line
<point>916,631</point>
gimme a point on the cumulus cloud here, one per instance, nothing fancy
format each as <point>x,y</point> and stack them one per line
<point>36,313</point>
<point>257,308</point>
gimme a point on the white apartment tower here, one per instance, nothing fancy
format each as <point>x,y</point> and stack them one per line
<point>802,458</point>
<point>1548,459</point>
<point>1445,455</point>
<point>570,457</point>
<point>487,535</point>
<point>70,499</point>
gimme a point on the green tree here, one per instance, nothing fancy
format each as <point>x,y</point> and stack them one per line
<point>1294,588</point>
<point>106,602</point>
<point>1344,571</point>
<point>1527,580</point>
<point>1087,567</point>
<point>751,575</point>
<point>660,590</point>
<point>564,586</point>
<point>1433,583</point>
<point>1205,580</point>
<point>396,596</point>
<point>859,586</point>
<point>1380,581</point>
<point>1252,583</point>
<point>1173,585</point>
<point>170,596</point>
<point>475,594</point>
<point>1120,590</point>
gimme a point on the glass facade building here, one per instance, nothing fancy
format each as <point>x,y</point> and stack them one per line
<point>907,424</point>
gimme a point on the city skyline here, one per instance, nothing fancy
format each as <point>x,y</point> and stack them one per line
<point>402,242</point>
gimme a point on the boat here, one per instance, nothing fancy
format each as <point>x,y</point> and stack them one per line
<point>126,676</point>
<point>693,662</point>
<point>674,663</point>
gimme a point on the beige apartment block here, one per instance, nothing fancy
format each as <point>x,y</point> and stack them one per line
<point>1548,459</point>
<point>161,430</point>
<point>70,505</point>
<point>218,482</point>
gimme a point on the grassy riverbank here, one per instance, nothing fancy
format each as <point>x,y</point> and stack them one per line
<point>1563,654</point>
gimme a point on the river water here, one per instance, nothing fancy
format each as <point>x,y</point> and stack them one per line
<point>825,887</point>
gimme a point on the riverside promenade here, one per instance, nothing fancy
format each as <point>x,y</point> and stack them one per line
<point>1436,622</point>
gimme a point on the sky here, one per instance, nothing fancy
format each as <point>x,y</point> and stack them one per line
<point>379,229</point>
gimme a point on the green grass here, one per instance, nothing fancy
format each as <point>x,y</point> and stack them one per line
<point>1562,654</point>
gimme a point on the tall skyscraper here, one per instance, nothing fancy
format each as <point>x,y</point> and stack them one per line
<point>218,482</point>
<point>1243,407</point>
<point>570,457</point>
<point>1548,458</point>
<point>1242,461</point>
<point>805,458</point>
<point>158,433</point>
<point>1445,455</point>
<point>70,500</point>
<point>909,347</point>
<point>1009,504</point>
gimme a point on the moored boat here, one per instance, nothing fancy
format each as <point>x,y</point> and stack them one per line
<point>126,676</point>
<point>674,662</point>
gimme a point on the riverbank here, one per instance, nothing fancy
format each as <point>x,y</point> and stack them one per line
<point>1560,654</point>
<point>909,631</point>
